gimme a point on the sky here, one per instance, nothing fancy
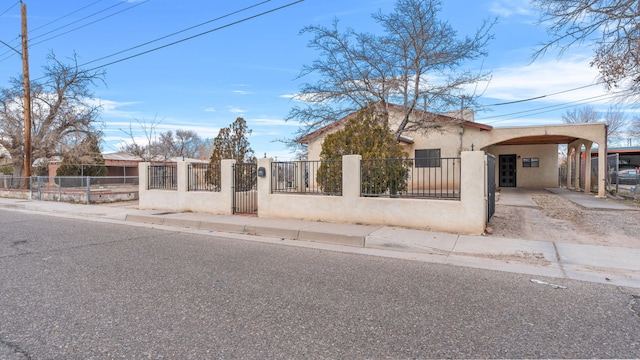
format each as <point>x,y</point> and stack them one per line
<point>200,64</point>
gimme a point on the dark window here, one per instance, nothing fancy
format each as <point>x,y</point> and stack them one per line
<point>428,158</point>
<point>530,162</point>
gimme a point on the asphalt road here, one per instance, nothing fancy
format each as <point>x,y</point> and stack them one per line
<point>75,289</point>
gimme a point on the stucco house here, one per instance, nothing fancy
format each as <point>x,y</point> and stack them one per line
<point>526,156</point>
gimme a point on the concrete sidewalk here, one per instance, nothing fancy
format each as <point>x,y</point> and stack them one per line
<point>603,264</point>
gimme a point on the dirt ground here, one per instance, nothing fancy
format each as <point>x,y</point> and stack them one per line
<point>558,219</point>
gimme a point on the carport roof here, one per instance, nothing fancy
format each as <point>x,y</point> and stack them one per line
<point>540,140</point>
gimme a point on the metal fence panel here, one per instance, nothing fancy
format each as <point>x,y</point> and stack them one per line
<point>162,177</point>
<point>322,177</point>
<point>437,178</point>
<point>204,177</point>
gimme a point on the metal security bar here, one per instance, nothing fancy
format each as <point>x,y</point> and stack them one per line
<point>433,178</point>
<point>322,177</point>
<point>163,177</point>
<point>204,177</point>
<point>245,188</point>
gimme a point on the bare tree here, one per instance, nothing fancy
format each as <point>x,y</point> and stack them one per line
<point>610,25</point>
<point>615,119</point>
<point>415,63</point>
<point>166,145</point>
<point>145,150</point>
<point>182,143</point>
<point>62,115</point>
<point>634,127</point>
<point>583,115</point>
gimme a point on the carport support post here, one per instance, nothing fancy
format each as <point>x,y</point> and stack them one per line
<point>576,179</point>
<point>588,171</point>
<point>602,169</point>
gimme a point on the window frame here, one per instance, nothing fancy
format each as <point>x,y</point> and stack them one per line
<point>429,161</point>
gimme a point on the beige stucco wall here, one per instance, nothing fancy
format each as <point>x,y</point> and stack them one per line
<point>467,216</point>
<point>546,175</point>
<point>184,200</point>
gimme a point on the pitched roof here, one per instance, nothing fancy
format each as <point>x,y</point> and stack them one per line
<point>445,118</point>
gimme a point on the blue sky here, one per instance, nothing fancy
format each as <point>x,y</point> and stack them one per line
<point>249,68</point>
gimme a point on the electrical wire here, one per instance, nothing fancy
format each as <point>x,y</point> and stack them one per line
<point>546,109</point>
<point>177,32</point>
<point>197,35</point>
<point>75,22</point>
<point>64,16</point>
<point>543,96</point>
<point>90,23</point>
<point>10,7</point>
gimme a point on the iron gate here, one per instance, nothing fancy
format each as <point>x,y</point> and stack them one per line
<point>245,188</point>
<point>491,186</point>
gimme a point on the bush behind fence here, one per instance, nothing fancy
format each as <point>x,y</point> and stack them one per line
<point>433,178</point>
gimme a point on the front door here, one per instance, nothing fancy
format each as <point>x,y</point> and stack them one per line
<point>507,164</point>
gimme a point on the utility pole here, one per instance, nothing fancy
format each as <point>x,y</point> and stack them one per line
<point>27,96</point>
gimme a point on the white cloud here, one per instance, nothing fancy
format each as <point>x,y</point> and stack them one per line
<point>235,110</point>
<point>543,78</point>
<point>112,108</point>
<point>509,8</point>
<point>242,92</point>
<point>210,109</point>
<point>275,122</point>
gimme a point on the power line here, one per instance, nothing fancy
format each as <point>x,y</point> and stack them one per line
<point>543,96</point>
<point>177,32</point>
<point>64,16</point>
<point>556,107</point>
<point>90,23</point>
<point>198,35</point>
<point>76,21</point>
<point>10,7</point>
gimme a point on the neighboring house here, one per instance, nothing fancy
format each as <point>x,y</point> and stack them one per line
<point>628,156</point>
<point>118,164</point>
<point>122,163</point>
<point>526,156</point>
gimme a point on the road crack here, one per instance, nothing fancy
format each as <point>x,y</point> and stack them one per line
<point>15,348</point>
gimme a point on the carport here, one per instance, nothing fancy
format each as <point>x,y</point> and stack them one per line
<point>528,156</point>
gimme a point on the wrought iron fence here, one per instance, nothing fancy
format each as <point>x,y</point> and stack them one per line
<point>323,177</point>
<point>434,178</point>
<point>162,177</point>
<point>204,177</point>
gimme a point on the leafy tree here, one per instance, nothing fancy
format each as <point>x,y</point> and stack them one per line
<point>366,134</point>
<point>6,169</point>
<point>611,26</point>
<point>232,143</point>
<point>356,69</point>
<point>62,112</point>
<point>86,160</point>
